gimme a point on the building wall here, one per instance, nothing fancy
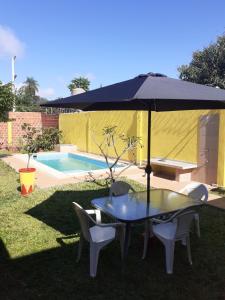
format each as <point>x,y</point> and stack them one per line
<point>3,134</point>
<point>85,129</point>
<point>11,131</point>
<point>221,151</point>
<point>174,134</point>
<point>49,120</point>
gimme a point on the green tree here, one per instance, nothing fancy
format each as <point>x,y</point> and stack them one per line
<point>79,82</point>
<point>207,66</point>
<point>26,98</point>
<point>30,141</point>
<point>23,102</point>
<point>31,87</point>
<point>7,98</point>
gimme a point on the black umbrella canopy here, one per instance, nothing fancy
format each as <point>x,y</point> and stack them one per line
<point>150,91</point>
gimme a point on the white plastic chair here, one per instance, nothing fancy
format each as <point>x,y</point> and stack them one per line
<point>177,229</point>
<point>119,188</point>
<point>196,191</point>
<point>97,234</point>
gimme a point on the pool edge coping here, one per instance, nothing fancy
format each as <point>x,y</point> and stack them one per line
<point>60,175</point>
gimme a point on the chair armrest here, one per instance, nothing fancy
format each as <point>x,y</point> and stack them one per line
<point>111,225</point>
<point>163,221</point>
<point>97,214</point>
<point>159,221</point>
<point>172,217</point>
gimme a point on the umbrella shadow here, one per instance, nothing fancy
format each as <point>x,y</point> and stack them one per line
<point>57,211</point>
<point>4,254</point>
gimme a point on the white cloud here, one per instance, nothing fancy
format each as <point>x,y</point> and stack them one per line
<point>46,92</point>
<point>10,45</point>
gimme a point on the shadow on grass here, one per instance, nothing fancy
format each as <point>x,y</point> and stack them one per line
<point>57,210</point>
<point>54,274</point>
<point>4,254</point>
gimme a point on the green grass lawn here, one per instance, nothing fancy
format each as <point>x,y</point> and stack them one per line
<point>39,241</point>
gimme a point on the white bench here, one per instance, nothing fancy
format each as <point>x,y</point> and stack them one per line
<point>182,169</point>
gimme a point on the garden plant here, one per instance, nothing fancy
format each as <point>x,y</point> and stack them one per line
<point>112,153</point>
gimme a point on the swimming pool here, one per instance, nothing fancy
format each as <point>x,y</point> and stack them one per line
<point>70,163</point>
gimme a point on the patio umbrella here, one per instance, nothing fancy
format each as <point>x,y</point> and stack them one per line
<point>149,92</point>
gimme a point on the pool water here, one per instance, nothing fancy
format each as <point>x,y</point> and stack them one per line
<point>70,163</point>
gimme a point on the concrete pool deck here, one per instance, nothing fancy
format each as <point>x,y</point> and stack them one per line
<point>46,180</point>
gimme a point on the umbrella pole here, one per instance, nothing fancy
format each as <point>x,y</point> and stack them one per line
<point>148,168</point>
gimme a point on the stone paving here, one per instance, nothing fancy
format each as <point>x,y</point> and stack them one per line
<point>45,180</point>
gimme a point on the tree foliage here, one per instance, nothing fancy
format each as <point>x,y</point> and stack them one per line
<point>207,66</point>
<point>7,98</point>
<point>27,98</point>
<point>79,82</point>
<point>31,87</point>
<point>48,138</point>
<point>34,139</point>
<point>30,142</point>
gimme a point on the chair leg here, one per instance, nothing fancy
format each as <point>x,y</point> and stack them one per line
<point>184,242</point>
<point>146,239</point>
<point>189,250</point>
<point>197,225</point>
<point>94,254</point>
<point>80,246</point>
<point>169,248</point>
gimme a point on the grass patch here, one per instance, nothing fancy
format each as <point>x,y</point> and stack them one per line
<point>39,241</point>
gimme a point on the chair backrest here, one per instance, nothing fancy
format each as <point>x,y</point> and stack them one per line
<point>196,191</point>
<point>84,219</point>
<point>183,221</point>
<point>119,188</point>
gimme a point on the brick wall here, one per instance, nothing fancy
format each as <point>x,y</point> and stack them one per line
<point>3,134</point>
<point>50,120</point>
<point>35,119</point>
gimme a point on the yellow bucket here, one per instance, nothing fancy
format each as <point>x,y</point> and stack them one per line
<point>27,179</point>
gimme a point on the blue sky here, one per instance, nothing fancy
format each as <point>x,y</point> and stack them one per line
<point>108,41</point>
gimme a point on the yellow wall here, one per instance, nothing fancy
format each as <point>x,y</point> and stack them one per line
<point>221,151</point>
<point>174,134</point>
<point>74,128</point>
<point>85,129</point>
<point>9,125</point>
